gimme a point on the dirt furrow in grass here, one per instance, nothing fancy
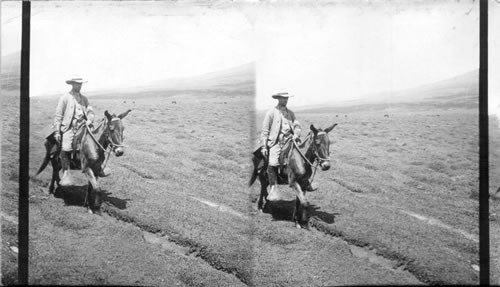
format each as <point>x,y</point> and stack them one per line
<point>223,237</point>
<point>195,249</point>
<point>434,254</point>
<point>393,259</point>
<point>389,249</point>
<point>69,246</point>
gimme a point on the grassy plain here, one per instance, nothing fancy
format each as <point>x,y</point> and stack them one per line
<point>184,178</point>
<point>399,205</point>
<point>405,185</point>
<point>494,203</point>
<point>10,184</point>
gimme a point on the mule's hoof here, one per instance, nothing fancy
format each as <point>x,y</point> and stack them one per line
<point>90,211</point>
<point>297,225</point>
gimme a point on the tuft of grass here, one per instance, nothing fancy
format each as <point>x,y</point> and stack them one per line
<point>437,166</point>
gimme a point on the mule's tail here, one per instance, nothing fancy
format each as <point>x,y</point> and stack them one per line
<point>43,166</point>
<point>254,177</point>
<point>258,164</point>
<point>49,152</point>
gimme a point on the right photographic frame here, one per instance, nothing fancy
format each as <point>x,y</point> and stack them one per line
<point>494,139</point>
<point>367,133</point>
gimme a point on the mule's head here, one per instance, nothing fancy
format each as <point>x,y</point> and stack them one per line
<point>321,146</point>
<point>114,131</point>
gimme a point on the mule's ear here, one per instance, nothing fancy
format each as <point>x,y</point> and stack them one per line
<point>327,130</point>
<point>122,115</point>
<point>107,115</point>
<point>315,130</point>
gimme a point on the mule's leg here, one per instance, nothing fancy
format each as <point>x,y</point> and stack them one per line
<point>87,194</point>
<point>295,212</point>
<point>92,189</point>
<point>301,205</point>
<point>263,191</point>
<point>56,167</point>
<point>52,181</point>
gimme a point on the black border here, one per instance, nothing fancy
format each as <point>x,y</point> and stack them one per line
<point>484,248</point>
<point>24,138</point>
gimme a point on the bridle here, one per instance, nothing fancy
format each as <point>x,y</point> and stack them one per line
<point>112,146</point>
<point>318,160</point>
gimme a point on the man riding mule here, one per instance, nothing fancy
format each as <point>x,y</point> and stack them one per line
<point>74,119</point>
<point>279,129</point>
<point>284,159</point>
<point>73,112</point>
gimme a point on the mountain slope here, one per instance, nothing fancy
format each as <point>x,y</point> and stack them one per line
<point>10,71</point>
<point>240,79</point>
<point>461,91</point>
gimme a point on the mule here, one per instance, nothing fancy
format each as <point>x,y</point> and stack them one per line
<point>301,160</point>
<point>107,137</point>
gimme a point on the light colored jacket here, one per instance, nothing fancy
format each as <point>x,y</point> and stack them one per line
<point>65,111</point>
<point>272,125</point>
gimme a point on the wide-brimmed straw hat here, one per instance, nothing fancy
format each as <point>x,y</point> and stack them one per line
<point>75,80</point>
<point>282,95</point>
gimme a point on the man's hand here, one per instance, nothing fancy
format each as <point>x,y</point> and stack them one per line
<point>264,151</point>
<point>295,137</point>
<point>57,136</point>
<point>89,123</point>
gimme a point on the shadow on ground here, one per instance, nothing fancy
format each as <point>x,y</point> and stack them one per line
<point>283,210</point>
<point>72,195</point>
<point>75,195</point>
<point>115,201</point>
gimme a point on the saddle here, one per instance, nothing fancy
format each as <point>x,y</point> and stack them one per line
<point>282,175</point>
<point>77,146</point>
<point>283,160</point>
<point>77,140</point>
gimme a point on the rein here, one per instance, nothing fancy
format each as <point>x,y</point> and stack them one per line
<point>317,159</point>
<point>111,144</point>
<point>108,138</point>
<point>316,154</point>
<point>92,136</point>
<point>300,152</point>
<point>308,162</point>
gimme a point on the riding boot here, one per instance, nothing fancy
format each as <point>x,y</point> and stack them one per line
<point>65,162</point>
<point>309,187</point>
<point>104,172</point>
<point>273,194</point>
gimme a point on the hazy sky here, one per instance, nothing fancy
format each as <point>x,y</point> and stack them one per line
<point>115,44</point>
<point>319,52</point>
<point>11,27</point>
<point>340,52</point>
<point>494,57</point>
